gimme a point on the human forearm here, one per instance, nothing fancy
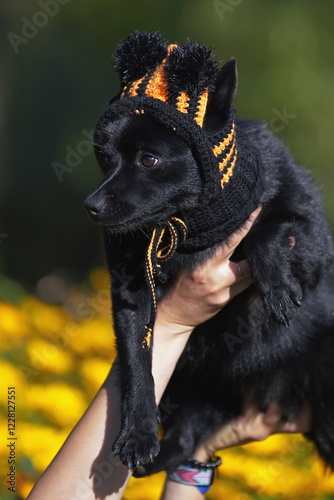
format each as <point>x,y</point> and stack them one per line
<point>85,466</point>
<point>174,490</point>
<point>169,343</point>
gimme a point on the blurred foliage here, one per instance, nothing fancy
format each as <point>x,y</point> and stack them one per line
<point>57,82</point>
<point>53,87</point>
<point>57,358</point>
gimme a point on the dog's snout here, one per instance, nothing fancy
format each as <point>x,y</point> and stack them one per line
<point>93,205</point>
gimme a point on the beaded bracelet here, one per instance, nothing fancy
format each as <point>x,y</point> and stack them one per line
<point>194,473</point>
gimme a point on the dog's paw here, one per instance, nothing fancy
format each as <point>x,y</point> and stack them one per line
<point>282,301</point>
<point>137,442</point>
<point>136,449</point>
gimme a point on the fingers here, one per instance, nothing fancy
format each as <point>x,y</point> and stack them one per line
<point>222,270</point>
<point>231,272</point>
<point>234,240</point>
<point>239,287</point>
<point>224,252</point>
<point>273,418</point>
<point>254,425</point>
<point>272,421</point>
<point>241,270</point>
<point>303,423</point>
<point>237,276</point>
<point>223,280</point>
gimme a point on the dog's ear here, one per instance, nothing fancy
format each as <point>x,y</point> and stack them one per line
<point>221,99</point>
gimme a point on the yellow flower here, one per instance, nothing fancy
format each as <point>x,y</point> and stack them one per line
<point>48,356</point>
<point>268,477</point>
<point>94,336</point>
<point>11,376</point>
<point>44,318</point>
<point>24,486</point>
<point>60,403</point>
<point>12,322</point>
<point>40,443</point>
<point>325,480</point>
<point>223,488</point>
<point>100,279</point>
<point>94,372</point>
<point>280,444</point>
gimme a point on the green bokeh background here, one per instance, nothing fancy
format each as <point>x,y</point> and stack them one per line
<point>55,84</point>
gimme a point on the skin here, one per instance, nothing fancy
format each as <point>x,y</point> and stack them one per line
<point>84,468</point>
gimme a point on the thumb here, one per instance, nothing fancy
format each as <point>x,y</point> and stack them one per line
<point>235,238</point>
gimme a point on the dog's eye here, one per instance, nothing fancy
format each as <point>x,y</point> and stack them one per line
<point>107,160</point>
<point>149,161</point>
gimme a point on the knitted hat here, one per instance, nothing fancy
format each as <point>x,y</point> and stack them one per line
<point>172,84</point>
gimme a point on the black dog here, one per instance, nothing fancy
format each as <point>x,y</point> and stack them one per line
<point>275,340</point>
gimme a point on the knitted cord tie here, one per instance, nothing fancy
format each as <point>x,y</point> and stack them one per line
<point>154,257</point>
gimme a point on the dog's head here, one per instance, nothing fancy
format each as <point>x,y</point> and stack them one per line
<point>149,174</point>
<point>154,169</point>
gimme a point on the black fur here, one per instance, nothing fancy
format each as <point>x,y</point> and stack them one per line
<point>137,54</point>
<point>275,340</point>
<point>191,78</point>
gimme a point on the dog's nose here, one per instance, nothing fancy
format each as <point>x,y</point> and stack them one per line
<point>93,206</point>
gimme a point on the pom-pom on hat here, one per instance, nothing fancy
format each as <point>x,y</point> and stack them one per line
<point>182,78</point>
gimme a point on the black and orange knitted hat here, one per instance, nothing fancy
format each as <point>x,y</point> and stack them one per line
<point>172,83</point>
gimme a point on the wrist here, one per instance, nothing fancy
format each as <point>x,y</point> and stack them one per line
<point>202,454</point>
<point>196,474</point>
<point>168,345</point>
<point>170,327</point>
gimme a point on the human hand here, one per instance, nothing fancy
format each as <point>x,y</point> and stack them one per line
<point>253,425</point>
<point>200,293</point>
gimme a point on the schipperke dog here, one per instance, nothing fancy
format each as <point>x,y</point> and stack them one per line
<point>181,174</point>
